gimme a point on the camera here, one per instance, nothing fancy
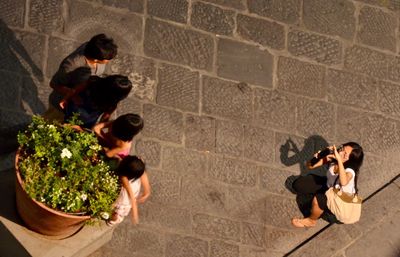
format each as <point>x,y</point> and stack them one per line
<point>322,154</point>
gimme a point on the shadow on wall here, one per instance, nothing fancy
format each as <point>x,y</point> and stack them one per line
<point>290,155</point>
<point>19,94</point>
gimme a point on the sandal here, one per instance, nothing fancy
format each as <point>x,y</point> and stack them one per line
<point>302,223</point>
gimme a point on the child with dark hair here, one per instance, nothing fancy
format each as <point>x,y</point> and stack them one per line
<point>133,177</point>
<point>75,70</point>
<point>100,98</point>
<point>116,136</point>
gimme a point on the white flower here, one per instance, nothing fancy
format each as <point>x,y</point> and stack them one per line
<point>84,197</point>
<point>40,126</point>
<point>51,126</point>
<point>66,153</point>
<point>105,215</point>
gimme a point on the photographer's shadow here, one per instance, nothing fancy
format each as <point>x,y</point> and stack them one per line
<point>290,155</point>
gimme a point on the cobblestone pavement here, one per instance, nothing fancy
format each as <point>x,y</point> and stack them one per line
<point>235,95</point>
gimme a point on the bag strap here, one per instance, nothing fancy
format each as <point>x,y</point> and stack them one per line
<point>355,184</point>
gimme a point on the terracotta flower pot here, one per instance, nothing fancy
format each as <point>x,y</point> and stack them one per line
<point>42,219</point>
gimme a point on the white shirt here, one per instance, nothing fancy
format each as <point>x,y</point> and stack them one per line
<point>349,188</point>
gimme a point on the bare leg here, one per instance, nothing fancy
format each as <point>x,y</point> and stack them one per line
<point>316,212</point>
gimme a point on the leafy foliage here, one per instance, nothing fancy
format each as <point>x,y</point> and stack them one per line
<point>64,169</point>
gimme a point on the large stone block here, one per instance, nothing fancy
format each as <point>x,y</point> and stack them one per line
<point>333,17</point>
<point>183,246</point>
<point>236,4</point>
<point>232,171</point>
<point>184,161</point>
<point>178,88</point>
<point>131,5</point>
<point>246,204</point>
<point>86,20</point>
<point>149,151</point>
<point>165,187</point>
<point>252,251</point>
<point>244,62</point>
<point>12,13</point>
<point>174,10</point>
<point>377,28</point>
<point>301,78</point>
<point>227,99</point>
<point>393,5</point>
<point>367,61</point>
<point>375,133</point>
<point>216,227</point>
<point>129,105</point>
<point>279,211</point>
<point>46,16</point>
<point>394,68</point>
<point>223,249</point>
<point>133,242</point>
<point>274,109</point>
<point>253,234</point>
<point>382,241</point>
<point>34,96</point>
<point>10,94</point>
<point>258,144</point>
<point>316,118</point>
<point>162,123</point>
<point>261,31</point>
<point>203,195</point>
<point>166,217</point>
<point>315,47</point>
<point>200,133</point>
<point>140,71</point>
<point>58,50</point>
<point>282,239</point>
<point>351,89</point>
<point>212,19</point>
<point>175,44</point>
<point>389,96</point>
<point>30,52</point>
<point>287,11</point>
<point>229,138</point>
<point>273,180</point>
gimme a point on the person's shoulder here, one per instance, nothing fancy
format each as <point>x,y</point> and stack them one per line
<point>348,169</point>
<point>75,59</point>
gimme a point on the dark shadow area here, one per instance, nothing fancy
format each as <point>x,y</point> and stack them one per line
<point>9,245</point>
<point>19,94</point>
<point>290,155</point>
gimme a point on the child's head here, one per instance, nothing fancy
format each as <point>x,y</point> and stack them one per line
<point>126,126</point>
<point>131,167</point>
<point>101,49</point>
<point>107,92</point>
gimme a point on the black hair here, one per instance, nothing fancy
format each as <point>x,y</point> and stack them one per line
<point>355,160</point>
<point>100,47</point>
<point>107,92</point>
<point>356,157</point>
<point>131,167</point>
<point>126,126</point>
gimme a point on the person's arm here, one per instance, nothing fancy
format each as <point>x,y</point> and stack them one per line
<point>144,179</point>
<point>73,93</point>
<point>106,115</point>
<point>344,177</point>
<point>99,126</point>
<point>134,212</point>
<point>112,152</point>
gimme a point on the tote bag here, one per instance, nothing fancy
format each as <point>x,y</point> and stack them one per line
<point>347,208</point>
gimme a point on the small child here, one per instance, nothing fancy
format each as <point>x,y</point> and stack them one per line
<point>116,136</point>
<point>133,177</point>
<point>99,99</point>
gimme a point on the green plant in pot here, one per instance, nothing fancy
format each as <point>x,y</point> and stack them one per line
<point>63,171</point>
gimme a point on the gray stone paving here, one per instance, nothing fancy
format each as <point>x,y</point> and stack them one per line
<point>224,87</point>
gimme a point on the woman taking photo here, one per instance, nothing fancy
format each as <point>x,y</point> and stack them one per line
<point>344,164</point>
